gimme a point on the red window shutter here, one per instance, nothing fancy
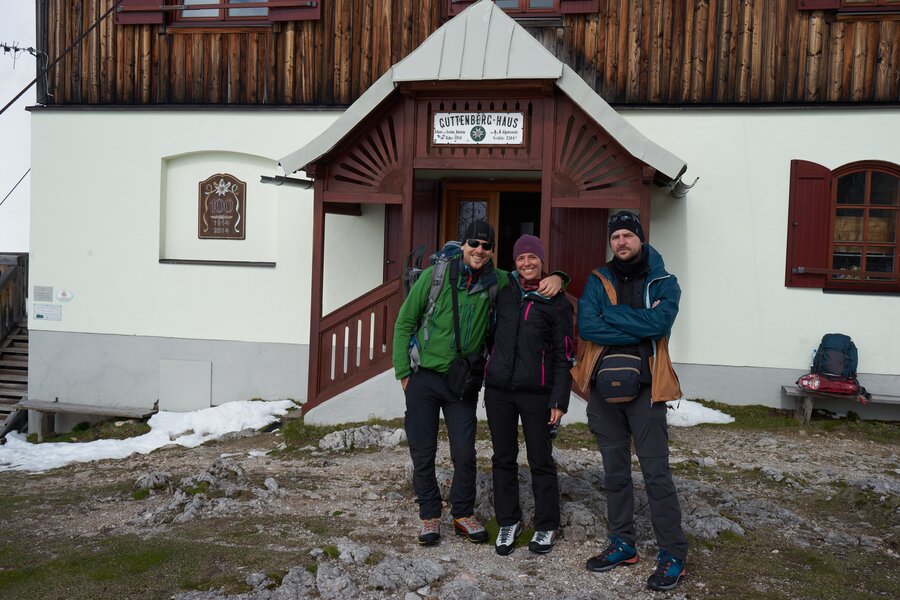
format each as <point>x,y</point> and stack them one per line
<point>139,12</point>
<point>454,7</point>
<point>295,10</point>
<point>579,7</point>
<point>809,224</point>
<point>818,4</point>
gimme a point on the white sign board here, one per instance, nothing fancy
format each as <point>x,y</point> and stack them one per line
<point>47,312</point>
<point>479,128</point>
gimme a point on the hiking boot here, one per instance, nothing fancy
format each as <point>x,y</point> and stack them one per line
<point>506,538</point>
<point>430,532</point>
<point>542,542</point>
<point>668,573</point>
<point>618,552</point>
<point>471,528</point>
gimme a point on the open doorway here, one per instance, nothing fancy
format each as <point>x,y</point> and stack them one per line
<point>520,213</point>
<point>511,208</point>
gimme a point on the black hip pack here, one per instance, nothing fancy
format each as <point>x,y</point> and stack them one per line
<point>466,376</point>
<point>619,377</point>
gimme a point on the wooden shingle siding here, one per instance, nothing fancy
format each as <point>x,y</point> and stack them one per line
<point>725,52</point>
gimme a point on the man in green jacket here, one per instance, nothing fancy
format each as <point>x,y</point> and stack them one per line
<point>427,395</point>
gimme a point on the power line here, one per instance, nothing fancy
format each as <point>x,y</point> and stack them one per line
<point>61,56</point>
<point>15,186</point>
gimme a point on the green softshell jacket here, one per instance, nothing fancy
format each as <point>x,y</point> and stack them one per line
<point>439,350</point>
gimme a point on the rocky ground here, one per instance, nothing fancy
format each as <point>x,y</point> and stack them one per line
<point>786,513</point>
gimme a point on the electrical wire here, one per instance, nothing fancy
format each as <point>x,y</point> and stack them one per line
<point>15,186</point>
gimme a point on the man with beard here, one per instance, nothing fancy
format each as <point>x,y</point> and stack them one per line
<point>643,312</point>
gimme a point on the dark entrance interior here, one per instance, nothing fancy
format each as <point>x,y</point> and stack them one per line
<point>520,213</point>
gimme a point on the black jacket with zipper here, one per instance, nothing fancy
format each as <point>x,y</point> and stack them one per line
<point>533,349</point>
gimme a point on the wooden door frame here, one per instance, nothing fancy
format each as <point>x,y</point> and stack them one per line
<point>492,189</point>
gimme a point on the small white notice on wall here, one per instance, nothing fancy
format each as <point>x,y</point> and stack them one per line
<point>43,293</point>
<point>48,312</point>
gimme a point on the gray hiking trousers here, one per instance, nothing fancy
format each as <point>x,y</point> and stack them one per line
<point>615,425</point>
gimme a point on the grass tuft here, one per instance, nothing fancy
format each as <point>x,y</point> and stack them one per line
<point>107,430</point>
<point>755,417</point>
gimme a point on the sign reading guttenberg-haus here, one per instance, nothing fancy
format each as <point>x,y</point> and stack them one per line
<point>479,128</point>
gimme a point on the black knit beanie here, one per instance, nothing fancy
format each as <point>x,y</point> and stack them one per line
<point>625,220</point>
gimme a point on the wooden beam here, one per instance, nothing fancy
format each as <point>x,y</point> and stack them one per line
<point>549,164</point>
<point>343,208</point>
<point>646,191</point>
<point>482,164</point>
<point>408,150</point>
<point>361,198</point>
<point>597,202</point>
<point>315,307</point>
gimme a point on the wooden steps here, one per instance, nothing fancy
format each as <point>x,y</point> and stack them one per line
<point>13,369</point>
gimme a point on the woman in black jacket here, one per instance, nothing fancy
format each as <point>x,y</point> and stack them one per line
<point>528,376</point>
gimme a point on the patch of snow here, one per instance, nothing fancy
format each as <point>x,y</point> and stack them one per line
<point>686,413</point>
<point>189,429</point>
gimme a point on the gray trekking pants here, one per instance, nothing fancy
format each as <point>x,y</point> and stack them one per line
<point>615,426</point>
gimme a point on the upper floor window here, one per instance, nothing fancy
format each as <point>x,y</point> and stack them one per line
<point>851,6</point>
<point>216,12</point>
<point>532,8</point>
<point>842,230</point>
<point>223,11</point>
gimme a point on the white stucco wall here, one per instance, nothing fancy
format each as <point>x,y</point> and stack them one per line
<point>101,181</point>
<point>727,239</point>
<point>354,256</point>
<point>106,182</point>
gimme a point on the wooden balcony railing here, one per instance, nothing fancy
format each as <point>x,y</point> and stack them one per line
<point>354,342</point>
<point>13,290</point>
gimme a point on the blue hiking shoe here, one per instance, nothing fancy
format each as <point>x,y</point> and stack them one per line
<point>618,552</point>
<point>668,573</point>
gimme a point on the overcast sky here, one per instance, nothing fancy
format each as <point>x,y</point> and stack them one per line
<point>16,26</point>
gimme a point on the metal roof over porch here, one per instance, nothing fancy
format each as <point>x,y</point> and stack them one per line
<point>484,44</point>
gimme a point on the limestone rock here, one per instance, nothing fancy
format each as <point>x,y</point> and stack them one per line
<point>461,589</point>
<point>333,582</point>
<point>398,573</point>
<point>362,437</point>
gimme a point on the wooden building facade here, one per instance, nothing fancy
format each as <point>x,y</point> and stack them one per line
<point>632,52</point>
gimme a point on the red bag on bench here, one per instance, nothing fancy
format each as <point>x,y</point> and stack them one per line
<point>833,386</point>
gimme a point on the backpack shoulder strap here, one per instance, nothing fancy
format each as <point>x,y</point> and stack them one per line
<point>608,286</point>
<point>437,282</point>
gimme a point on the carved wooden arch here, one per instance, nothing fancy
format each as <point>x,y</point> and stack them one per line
<point>373,160</point>
<point>588,162</point>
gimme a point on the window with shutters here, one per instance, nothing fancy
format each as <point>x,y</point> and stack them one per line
<point>850,7</point>
<point>842,227</point>
<point>532,8</point>
<point>206,13</point>
<point>224,10</point>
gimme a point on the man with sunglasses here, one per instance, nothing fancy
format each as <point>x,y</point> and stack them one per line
<point>646,304</point>
<point>427,395</point>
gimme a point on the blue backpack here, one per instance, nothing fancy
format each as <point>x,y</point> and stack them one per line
<point>836,356</point>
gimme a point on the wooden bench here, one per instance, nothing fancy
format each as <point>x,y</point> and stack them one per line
<point>805,400</point>
<point>46,410</point>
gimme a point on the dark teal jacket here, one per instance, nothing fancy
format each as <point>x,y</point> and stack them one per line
<point>617,325</point>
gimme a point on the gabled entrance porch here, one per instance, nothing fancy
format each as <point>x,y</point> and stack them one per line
<point>570,160</point>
